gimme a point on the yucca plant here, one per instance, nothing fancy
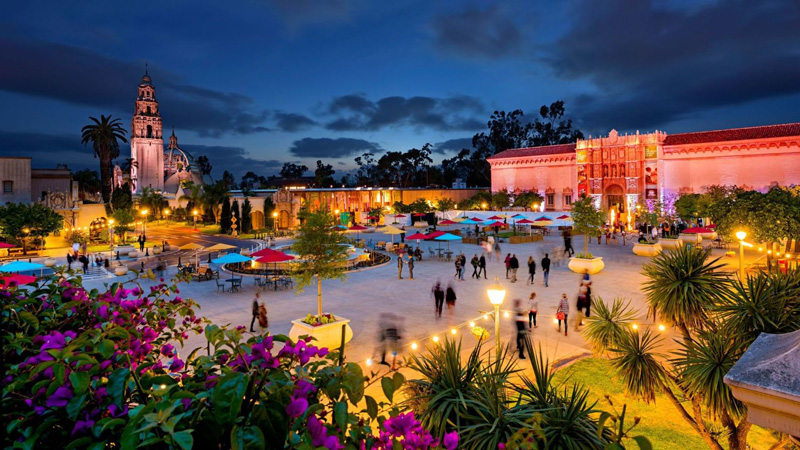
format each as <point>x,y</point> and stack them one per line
<point>605,327</point>
<point>636,359</point>
<point>682,284</point>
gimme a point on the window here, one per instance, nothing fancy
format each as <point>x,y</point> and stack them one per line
<point>568,199</point>
<point>8,186</point>
<point>149,131</point>
<point>551,199</point>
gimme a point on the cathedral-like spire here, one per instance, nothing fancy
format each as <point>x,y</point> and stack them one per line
<point>146,78</point>
<point>173,140</point>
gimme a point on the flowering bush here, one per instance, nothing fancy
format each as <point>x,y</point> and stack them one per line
<point>91,369</point>
<point>316,321</point>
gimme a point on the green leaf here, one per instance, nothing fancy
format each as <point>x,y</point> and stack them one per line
<point>117,383</point>
<point>388,387</point>
<point>106,348</point>
<point>183,439</point>
<point>245,438</point>
<point>372,407</point>
<point>397,380</point>
<point>78,443</point>
<point>228,395</point>
<point>29,318</point>
<point>340,414</point>
<point>75,406</point>
<point>59,373</point>
<point>80,381</point>
<point>644,443</point>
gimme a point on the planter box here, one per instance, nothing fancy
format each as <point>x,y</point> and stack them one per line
<point>590,266</point>
<point>691,238</point>
<point>467,240</point>
<point>121,270</point>
<point>327,336</point>
<point>420,224</point>
<point>524,239</point>
<point>669,243</point>
<point>646,249</point>
<point>156,250</point>
<point>710,236</point>
<point>124,249</point>
<point>49,262</point>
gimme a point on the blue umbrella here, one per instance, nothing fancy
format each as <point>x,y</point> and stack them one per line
<point>20,266</point>
<point>448,237</point>
<point>470,222</point>
<point>231,258</point>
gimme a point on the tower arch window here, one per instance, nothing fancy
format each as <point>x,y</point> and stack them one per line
<point>149,111</point>
<point>622,170</point>
<point>149,131</point>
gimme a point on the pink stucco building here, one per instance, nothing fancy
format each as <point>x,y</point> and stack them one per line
<point>620,171</point>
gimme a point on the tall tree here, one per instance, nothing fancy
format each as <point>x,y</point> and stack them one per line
<point>249,180</point>
<point>323,176</point>
<point>152,200</point>
<point>587,220</point>
<point>367,173</point>
<point>121,198</point>
<point>551,129</point>
<point>321,255</point>
<point>21,221</point>
<point>228,180</point>
<point>88,182</point>
<point>269,209</point>
<point>292,170</point>
<point>204,165</point>
<point>105,135</point>
<point>247,219</point>
<point>213,196</point>
<point>225,216</point>
<point>193,195</point>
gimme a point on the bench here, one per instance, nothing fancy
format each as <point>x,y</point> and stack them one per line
<point>205,273</point>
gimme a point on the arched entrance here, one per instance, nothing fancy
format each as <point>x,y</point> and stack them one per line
<point>257,219</point>
<point>615,198</point>
<point>283,219</point>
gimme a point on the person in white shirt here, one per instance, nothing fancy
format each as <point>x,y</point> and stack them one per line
<point>533,308</point>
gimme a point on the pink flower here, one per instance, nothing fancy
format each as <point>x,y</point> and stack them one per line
<point>297,407</point>
<point>450,441</point>
<point>176,365</point>
<point>60,397</point>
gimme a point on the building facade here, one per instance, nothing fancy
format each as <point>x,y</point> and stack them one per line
<point>621,171</point>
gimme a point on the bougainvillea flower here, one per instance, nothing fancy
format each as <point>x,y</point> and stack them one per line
<point>60,397</point>
<point>297,407</point>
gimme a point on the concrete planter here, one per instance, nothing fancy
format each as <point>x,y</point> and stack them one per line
<point>691,238</point>
<point>245,252</point>
<point>121,270</point>
<point>668,243</point>
<point>590,266</point>
<point>49,262</point>
<point>420,224</point>
<point>133,254</point>
<point>648,250</point>
<point>156,250</point>
<point>327,336</point>
<point>710,236</point>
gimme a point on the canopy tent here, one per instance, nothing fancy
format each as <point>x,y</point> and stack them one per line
<point>16,279</point>
<point>195,247</point>
<point>20,266</point>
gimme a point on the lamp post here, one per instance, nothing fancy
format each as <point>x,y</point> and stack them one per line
<point>275,220</point>
<point>26,231</point>
<point>167,212</point>
<point>741,235</point>
<point>496,295</point>
<point>110,238</point>
<point>144,221</point>
<point>194,215</point>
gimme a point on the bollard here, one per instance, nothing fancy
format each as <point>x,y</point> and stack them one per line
<point>117,255</point>
<point>147,252</point>
<point>142,266</point>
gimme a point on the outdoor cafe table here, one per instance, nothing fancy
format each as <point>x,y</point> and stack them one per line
<point>448,254</point>
<point>236,283</point>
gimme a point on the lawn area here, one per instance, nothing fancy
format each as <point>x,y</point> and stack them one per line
<point>208,229</point>
<point>660,422</point>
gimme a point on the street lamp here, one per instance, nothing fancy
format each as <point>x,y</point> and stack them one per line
<point>110,238</point>
<point>496,295</point>
<point>27,231</point>
<point>194,214</point>
<point>484,205</point>
<point>275,220</point>
<point>144,221</point>
<point>167,212</point>
<point>741,235</point>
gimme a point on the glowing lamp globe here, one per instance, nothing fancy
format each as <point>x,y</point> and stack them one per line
<point>496,293</point>
<point>740,235</point>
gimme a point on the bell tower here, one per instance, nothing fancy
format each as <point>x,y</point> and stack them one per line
<point>147,145</point>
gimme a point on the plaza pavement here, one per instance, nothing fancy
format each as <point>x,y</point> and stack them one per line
<point>368,293</point>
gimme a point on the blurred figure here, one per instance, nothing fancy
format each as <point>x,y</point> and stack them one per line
<point>482,267</point>
<point>531,269</point>
<point>263,320</point>
<point>519,319</point>
<point>533,309</point>
<point>438,297</point>
<point>562,313</point>
<point>450,299</point>
<point>389,338</point>
<point>400,266</point>
<point>254,312</point>
<point>410,267</point>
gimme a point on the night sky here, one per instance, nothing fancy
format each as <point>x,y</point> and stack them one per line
<point>253,84</point>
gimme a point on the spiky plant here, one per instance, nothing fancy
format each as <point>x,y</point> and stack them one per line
<point>605,327</point>
<point>636,361</point>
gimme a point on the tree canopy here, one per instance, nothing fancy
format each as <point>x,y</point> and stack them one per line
<point>587,220</point>
<point>20,220</point>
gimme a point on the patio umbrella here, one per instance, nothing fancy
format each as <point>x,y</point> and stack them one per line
<point>543,221</point>
<point>417,237</point>
<point>470,222</point>
<point>447,237</point>
<point>527,222</point>
<point>392,231</point>
<point>6,245</point>
<point>17,279</point>
<point>218,248</point>
<point>447,222</point>
<point>459,219</point>
<point>275,257</point>
<point>231,258</point>
<point>496,224</point>
<point>517,216</point>
<point>193,246</point>
<point>435,234</point>
<point>20,266</point>
<point>563,217</point>
<point>357,229</point>
<point>495,218</point>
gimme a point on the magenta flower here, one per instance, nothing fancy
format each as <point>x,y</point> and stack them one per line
<point>450,441</point>
<point>176,365</point>
<point>60,397</point>
<point>167,350</point>
<point>297,407</point>
<point>82,426</point>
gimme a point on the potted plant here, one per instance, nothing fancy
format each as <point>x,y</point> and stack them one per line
<point>588,221</point>
<point>650,218</point>
<point>586,263</point>
<point>670,242</point>
<point>321,256</point>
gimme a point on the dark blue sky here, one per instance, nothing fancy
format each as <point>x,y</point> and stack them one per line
<point>255,83</point>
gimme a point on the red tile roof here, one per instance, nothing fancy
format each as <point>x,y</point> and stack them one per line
<point>735,134</point>
<point>535,151</point>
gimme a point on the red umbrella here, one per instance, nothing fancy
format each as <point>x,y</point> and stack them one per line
<point>526,222</point>
<point>447,222</point>
<point>419,214</point>
<point>17,279</point>
<point>698,230</point>
<point>6,245</point>
<point>496,224</point>
<point>495,218</point>
<point>563,217</point>
<point>400,215</point>
<point>544,218</point>
<point>420,236</point>
<point>372,218</point>
<point>711,227</point>
<point>266,252</point>
<point>477,219</point>
<point>357,229</point>
<point>434,234</point>
<point>276,258</point>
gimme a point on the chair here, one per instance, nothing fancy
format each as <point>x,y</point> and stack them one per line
<point>431,252</point>
<point>261,284</point>
<point>220,285</point>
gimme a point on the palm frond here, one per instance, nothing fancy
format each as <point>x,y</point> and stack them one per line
<point>605,327</point>
<point>636,361</point>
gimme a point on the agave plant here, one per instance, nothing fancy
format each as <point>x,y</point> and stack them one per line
<point>605,327</point>
<point>682,285</point>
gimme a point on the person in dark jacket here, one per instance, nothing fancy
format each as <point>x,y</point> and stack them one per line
<point>482,267</point>
<point>514,264</point>
<point>531,269</point>
<point>69,261</point>
<point>254,312</point>
<point>546,269</point>
<point>438,298</point>
<point>450,299</point>
<point>522,331</point>
<point>475,263</point>
<point>84,260</point>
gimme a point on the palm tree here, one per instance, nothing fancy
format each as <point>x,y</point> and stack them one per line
<point>104,134</point>
<point>193,195</point>
<point>213,196</point>
<point>152,200</point>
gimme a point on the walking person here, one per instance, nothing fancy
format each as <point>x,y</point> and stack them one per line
<point>450,299</point>
<point>546,269</point>
<point>482,267</point>
<point>410,267</point>
<point>562,313</point>
<point>568,243</point>
<point>263,320</point>
<point>85,262</point>
<point>458,268</point>
<point>255,312</point>
<point>522,332</point>
<point>69,261</point>
<point>533,309</point>
<point>531,269</point>
<point>475,263</point>
<point>580,304</point>
<point>514,264</point>
<point>399,266</point>
<point>438,298</point>
<point>508,264</point>
<point>463,260</point>
<point>390,336</point>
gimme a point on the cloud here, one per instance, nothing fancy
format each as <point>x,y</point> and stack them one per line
<point>332,148</point>
<point>79,76</point>
<point>651,65</point>
<point>46,150</point>
<point>291,122</point>
<point>298,13</point>
<point>474,33</point>
<point>355,112</point>
<point>235,160</point>
<point>452,145</point>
